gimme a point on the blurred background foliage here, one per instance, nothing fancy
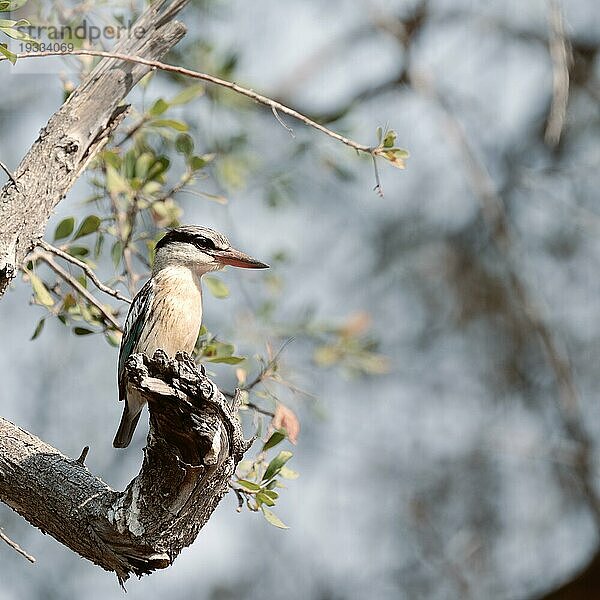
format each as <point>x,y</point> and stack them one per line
<point>437,340</point>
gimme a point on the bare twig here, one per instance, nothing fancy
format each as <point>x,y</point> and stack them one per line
<point>377,187</point>
<point>68,278</point>
<point>133,129</point>
<point>185,179</point>
<point>280,121</point>
<point>561,56</point>
<point>16,547</point>
<point>120,219</point>
<point>86,268</point>
<point>258,409</point>
<point>155,64</point>
<point>238,495</point>
<point>262,375</point>
<point>83,456</point>
<point>8,172</point>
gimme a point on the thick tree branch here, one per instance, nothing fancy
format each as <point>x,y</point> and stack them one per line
<point>194,444</point>
<point>76,133</point>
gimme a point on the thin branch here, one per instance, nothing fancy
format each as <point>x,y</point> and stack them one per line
<point>16,547</point>
<point>185,179</point>
<point>281,122</point>
<point>133,130</point>
<point>8,172</point>
<point>86,269</point>
<point>258,409</point>
<point>268,367</point>
<point>239,497</point>
<point>377,187</point>
<point>262,375</point>
<point>68,278</point>
<point>155,64</point>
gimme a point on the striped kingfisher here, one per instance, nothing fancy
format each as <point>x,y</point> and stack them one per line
<point>167,312</point>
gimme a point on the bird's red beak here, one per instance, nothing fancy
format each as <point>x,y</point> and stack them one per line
<point>235,258</point>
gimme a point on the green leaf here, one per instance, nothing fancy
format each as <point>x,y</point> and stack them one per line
<point>276,464</point>
<point>40,290</point>
<point>276,437</point>
<point>143,163</point>
<point>128,170</point>
<point>17,34</point>
<point>219,352</point>
<point>39,328</point>
<point>390,139</point>
<point>171,124</point>
<point>11,5</point>
<point>8,54</point>
<point>82,331</point>
<point>69,302</point>
<point>396,156</point>
<point>78,251</point>
<point>272,518</point>
<point>115,183</point>
<point>199,162</point>
<point>184,144</point>
<point>89,225</point>
<point>116,253</point>
<point>216,287</point>
<point>288,473</point>
<point>64,229</point>
<point>227,360</point>
<point>249,485</point>
<point>110,157</point>
<point>158,108</point>
<point>99,245</point>
<point>160,165</point>
<point>262,498</point>
<point>273,495</point>
<point>112,339</point>
<point>187,94</point>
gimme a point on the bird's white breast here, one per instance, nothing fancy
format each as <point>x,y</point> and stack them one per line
<point>175,314</point>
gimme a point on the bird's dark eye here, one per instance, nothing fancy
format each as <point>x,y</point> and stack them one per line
<point>206,244</point>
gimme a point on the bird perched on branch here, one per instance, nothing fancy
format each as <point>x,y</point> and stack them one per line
<point>167,312</point>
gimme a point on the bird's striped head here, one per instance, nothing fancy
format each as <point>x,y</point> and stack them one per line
<point>201,249</point>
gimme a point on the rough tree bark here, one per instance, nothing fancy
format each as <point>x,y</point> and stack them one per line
<point>194,445</point>
<point>75,133</point>
<point>195,439</point>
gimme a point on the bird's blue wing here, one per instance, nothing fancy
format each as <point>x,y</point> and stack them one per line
<point>136,318</point>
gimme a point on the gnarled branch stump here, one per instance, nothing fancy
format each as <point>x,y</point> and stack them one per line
<point>194,444</point>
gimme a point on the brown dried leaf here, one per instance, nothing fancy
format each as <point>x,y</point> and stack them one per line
<point>285,418</point>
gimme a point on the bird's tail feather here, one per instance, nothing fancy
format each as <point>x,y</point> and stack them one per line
<point>129,421</point>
